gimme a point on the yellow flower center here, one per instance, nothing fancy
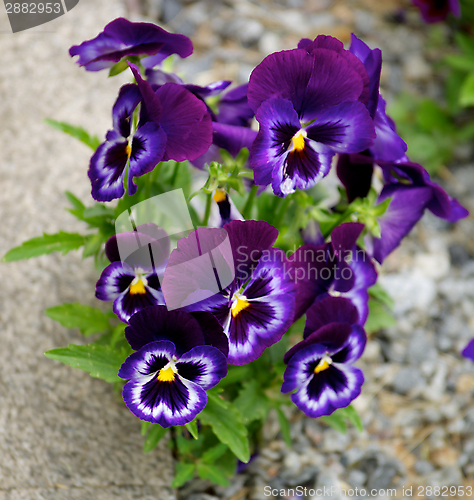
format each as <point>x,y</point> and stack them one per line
<point>128,150</point>
<point>298,141</point>
<point>220,196</point>
<point>324,364</point>
<point>166,375</point>
<point>239,304</point>
<point>137,287</point>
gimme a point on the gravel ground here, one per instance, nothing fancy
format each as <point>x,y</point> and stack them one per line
<point>416,403</point>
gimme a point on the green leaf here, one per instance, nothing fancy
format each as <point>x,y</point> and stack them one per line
<point>212,454</point>
<point>74,201</point>
<point>461,62</point>
<point>284,426</point>
<point>99,210</point>
<point>118,68</point>
<point>145,426</point>
<point>212,473</point>
<point>88,319</point>
<point>153,437</point>
<point>227,424</point>
<point>235,374</point>
<point>93,244</point>
<point>251,402</point>
<point>42,245</point>
<point>379,293</point>
<point>98,360</point>
<point>466,96</point>
<point>184,472</point>
<point>465,42</point>
<point>379,317</point>
<point>336,421</point>
<point>78,132</point>
<point>192,428</point>
<point>354,418</point>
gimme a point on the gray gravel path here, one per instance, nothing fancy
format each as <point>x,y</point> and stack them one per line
<point>63,435</point>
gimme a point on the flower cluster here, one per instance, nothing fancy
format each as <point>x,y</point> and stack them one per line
<point>224,294</point>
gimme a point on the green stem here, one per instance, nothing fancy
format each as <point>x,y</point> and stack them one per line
<point>207,213</point>
<point>175,174</point>
<point>283,208</point>
<point>247,211</point>
<point>339,221</point>
<point>155,173</point>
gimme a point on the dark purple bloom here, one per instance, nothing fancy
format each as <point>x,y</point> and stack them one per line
<point>308,110</point>
<point>320,367</point>
<point>338,268</point>
<point>434,11</point>
<point>132,279</point>
<point>254,304</point>
<point>122,38</point>
<point>167,387</point>
<point>142,150</point>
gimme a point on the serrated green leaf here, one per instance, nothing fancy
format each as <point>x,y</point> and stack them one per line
<point>379,293</point>
<point>193,429</point>
<point>184,472</point>
<point>227,424</point>
<point>212,454</point>
<point>336,421</point>
<point>46,244</point>
<point>93,244</point>
<point>251,402</point>
<point>74,201</point>
<point>466,96</point>
<point>284,427</point>
<point>99,210</point>
<point>154,436</point>
<point>77,132</point>
<point>212,473</point>
<point>88,319</point>
<point>379,317</point>
<point>97,360</point>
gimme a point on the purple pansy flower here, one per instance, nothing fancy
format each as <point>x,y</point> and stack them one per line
<point>338,268</point>
<point>172,369</point>
<point>133,282</point>
<point>122,38</point>
<point>411,191</point>
<point>320,367</point>
<point>306,101</point>
<point>174,125</point>
<point>257,307</point>
<point>434,11</point>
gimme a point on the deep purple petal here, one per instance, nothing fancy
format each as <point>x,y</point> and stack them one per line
<point>210,90</point>
<point>148,147</point>
<point>330,310</point>
<point>330,337</point>
<point>434,11</point>
<point>127,100</point>
<point>312,234</point>
<point>213,333</point>
<point>356,177</point>
<point>388,145</point>
<point>147,361</point>
<point>158,324</point>
<point>122,38</point>
<point>186,122</point>
<point>234,108</point>
<point>232,138</point>
<point>344,237</point>
<point>405,210</point>
<point>353,348</point>
<point>203,365</point>
<point>345,128</point>
<point>114,280</point>
<point>372,60</point>
<point>468,351</point>
<point>107,170</point>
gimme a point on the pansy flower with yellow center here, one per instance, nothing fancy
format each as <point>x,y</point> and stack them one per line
<point>320,367</point>
<point>132,280</point>
<point>179,356</point>
<point>310,103</point>
<point>258,305</point>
